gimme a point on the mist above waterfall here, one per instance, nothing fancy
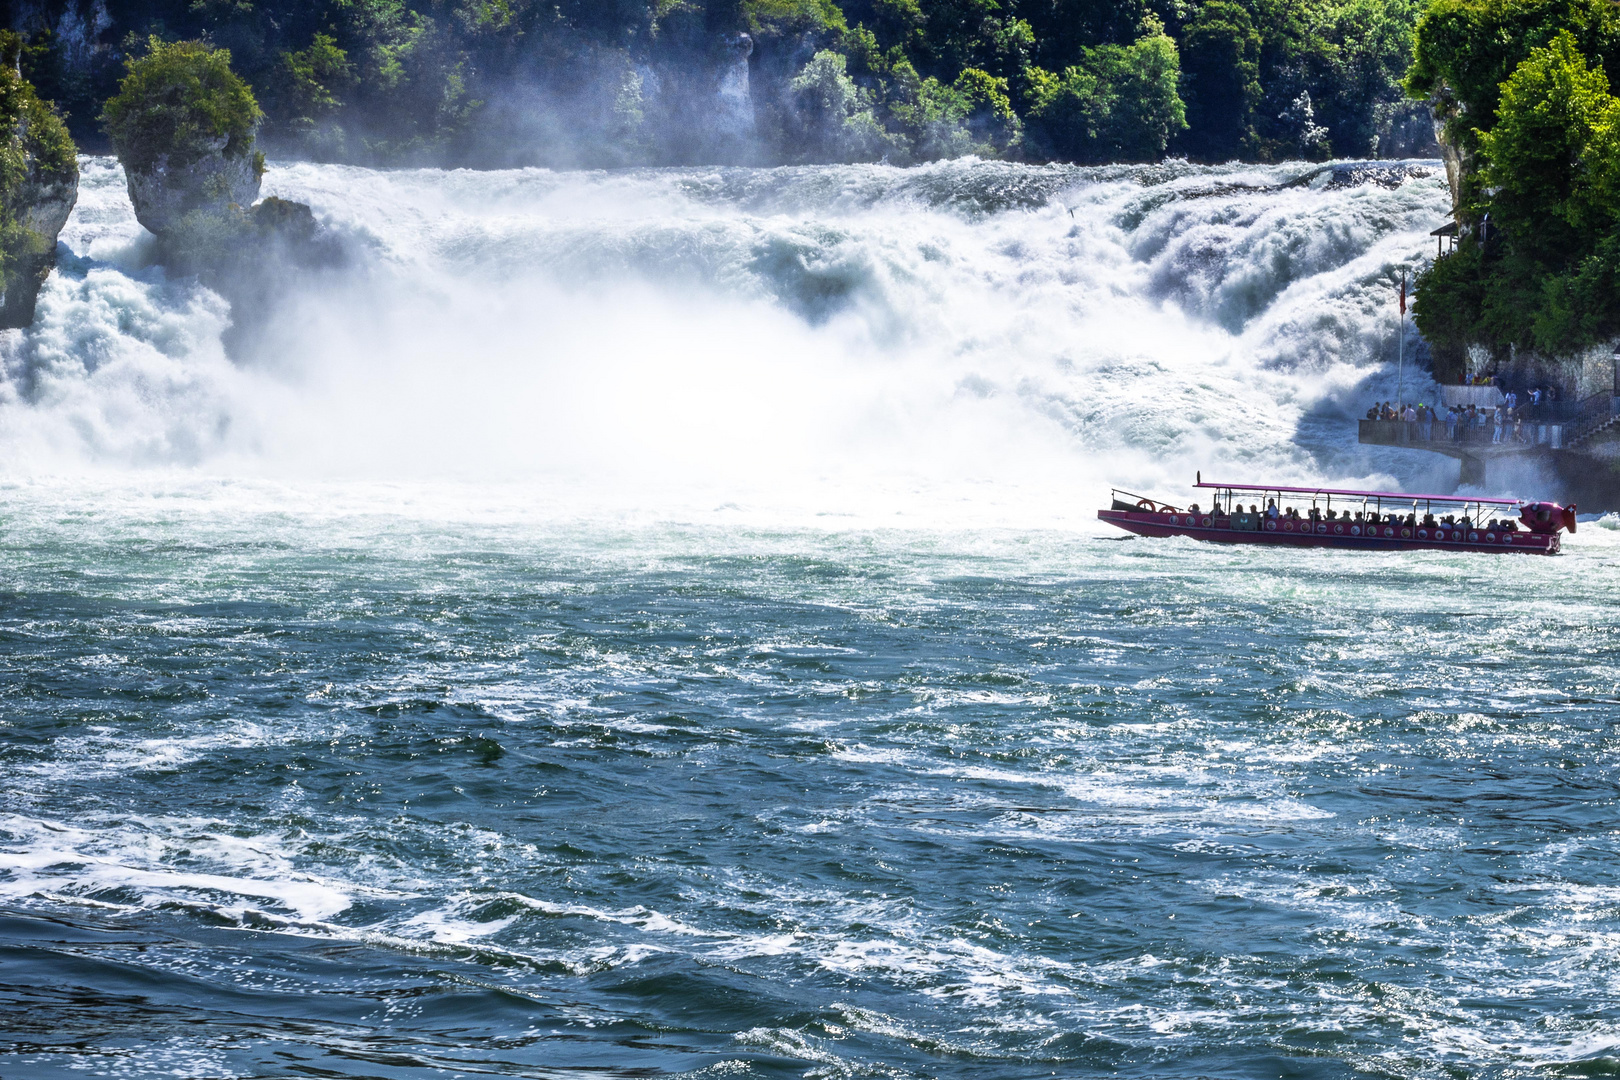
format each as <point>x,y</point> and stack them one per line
<point>834,339</point>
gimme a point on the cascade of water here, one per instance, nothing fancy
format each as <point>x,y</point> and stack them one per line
<point>759,335</point>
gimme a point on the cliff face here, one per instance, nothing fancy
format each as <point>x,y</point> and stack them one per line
<point>39,183</point>
<point>210,182</point>
<point>46,204</point>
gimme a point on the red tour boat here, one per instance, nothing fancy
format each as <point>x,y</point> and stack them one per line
<point>1366,520</point>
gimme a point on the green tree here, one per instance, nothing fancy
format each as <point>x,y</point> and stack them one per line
<point>1220,56</point>
<point>309,94</point>
<point>1119,104</point>
<point>835,116</point>
<point>1550,159</point>
<point>987,110</point>
<point>1467,49</point>
<point>178,101</point>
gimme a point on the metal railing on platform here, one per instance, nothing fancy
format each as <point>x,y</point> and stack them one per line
<point>1439,434</point>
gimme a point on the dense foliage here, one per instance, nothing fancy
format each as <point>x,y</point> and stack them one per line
<point>491,82</point>
<point>1526,88</point>
<point>181,101</point>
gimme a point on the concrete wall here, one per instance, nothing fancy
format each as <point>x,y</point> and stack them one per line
<point>1577,377</point>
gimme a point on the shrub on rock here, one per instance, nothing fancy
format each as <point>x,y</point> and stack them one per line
<point>183,125</point>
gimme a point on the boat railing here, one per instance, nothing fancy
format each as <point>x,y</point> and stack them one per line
<point>1129,500</point>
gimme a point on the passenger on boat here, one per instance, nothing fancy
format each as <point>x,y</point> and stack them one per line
<point>1429,522</point>
<point>1193,509</point>
<point>1271,509</point>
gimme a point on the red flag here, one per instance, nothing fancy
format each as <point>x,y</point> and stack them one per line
<point>1403,294</point>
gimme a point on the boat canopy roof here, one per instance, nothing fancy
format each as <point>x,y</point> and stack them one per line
<point>1402,496</point>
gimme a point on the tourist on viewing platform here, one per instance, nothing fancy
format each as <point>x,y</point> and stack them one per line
<point>1410,415</point>
<point>1426,421</point>
<point>1518,429</point>
<point>1535,396</point>
<point>1451,422</point>
<point>1501,422</point>
<point>1372,413</point>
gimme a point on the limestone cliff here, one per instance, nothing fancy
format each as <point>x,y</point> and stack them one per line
<point>39,183</point>
<point>164,191</point>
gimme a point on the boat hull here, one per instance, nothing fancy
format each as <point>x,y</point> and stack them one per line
<point>1334,534</point>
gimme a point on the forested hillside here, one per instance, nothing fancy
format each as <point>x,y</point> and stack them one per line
<point>602,82</point>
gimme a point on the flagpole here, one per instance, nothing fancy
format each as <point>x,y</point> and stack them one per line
<point>1400,370</point>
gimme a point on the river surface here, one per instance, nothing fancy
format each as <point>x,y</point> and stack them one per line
<point>655,624</point>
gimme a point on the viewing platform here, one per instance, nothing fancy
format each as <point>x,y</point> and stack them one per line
<point>1553,426</point>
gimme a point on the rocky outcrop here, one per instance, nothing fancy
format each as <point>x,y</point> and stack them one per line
<point>1456,158</point>
<point>39,183</point>
<point>212,183</point>
<point>44,206</point>
<point>183,124</point>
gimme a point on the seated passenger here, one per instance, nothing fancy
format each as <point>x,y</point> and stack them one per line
<point>1411,520</point>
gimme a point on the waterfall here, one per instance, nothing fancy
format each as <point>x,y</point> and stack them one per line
<point>832,338</point>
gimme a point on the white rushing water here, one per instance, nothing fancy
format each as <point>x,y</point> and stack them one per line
<point>966,341</point>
